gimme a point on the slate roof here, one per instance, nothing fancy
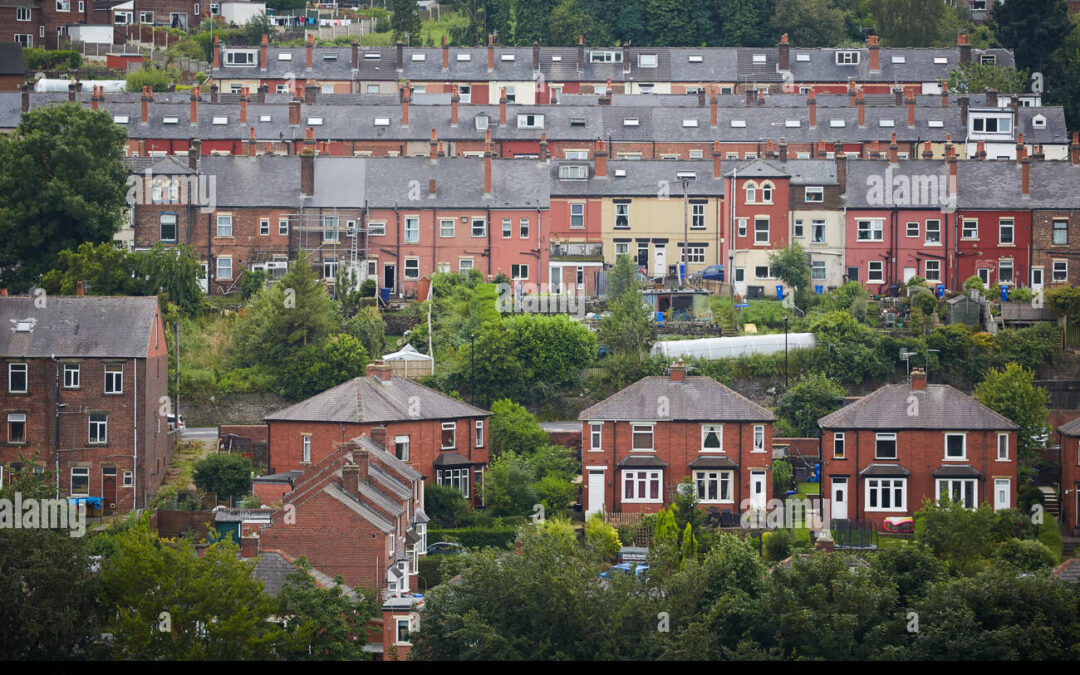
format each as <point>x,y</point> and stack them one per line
<point>272,569</point>
<point>90,327</point>
<point>1068,570</point>
<point>940,407</point>
<point>366,399</point>
<point>643,179</point>
<point>266,181</point>
<point>1071,428</point>
<point>11,59</point>
<point>694,398</point>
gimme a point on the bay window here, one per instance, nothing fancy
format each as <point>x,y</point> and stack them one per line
<point>642,486</point>
<point>886,494</point>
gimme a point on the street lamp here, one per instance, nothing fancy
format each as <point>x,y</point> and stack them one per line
<point>684,267</point>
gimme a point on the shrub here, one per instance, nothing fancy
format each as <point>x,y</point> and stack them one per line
<point>435,569</point>
<point>602,536</point>
<point>777,544</point>
<point>252,380</point>
<point>155,78</point>
<point>44,59</point>
<point>782,475</point>
<point>477,537</point>
<point>1025,555</point>
<point>446,506</point>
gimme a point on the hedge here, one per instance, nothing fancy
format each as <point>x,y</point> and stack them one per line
<point>476,537</point>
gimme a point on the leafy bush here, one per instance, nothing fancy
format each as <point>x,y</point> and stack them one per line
<point>782,476</point>
<point>1026,555</point>
<point>435,569</point>
<point>226,475</point>
<point>602,536</point>
<point>251,380</point>
<point>974,283</point>
<point>368,288</point>
<point>45,59</point>
<point>476,537</point>
<point>155,78</point>
<point>777,544</point>
<point>446,506</point>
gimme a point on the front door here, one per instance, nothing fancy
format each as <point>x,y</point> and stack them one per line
<point>108,490</point>
<point>204,283</point>
<point>1036,279</point>
<point>839,499</point>
<point>596,493</point>
<point>757,490</point>
<point>390,276</point>
<point>908,273</point>
<point>660,260</point>
<point>1002,499</point>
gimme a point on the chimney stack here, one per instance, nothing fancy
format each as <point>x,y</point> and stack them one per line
<point>406,96</point>
<point>981,152</point>
<point>841,166</point>
<point>783,149</point>
<point>260,95</point>
<point>309,51</point>
<point>600,156</point>
<point>928,150</point>
<point>431,187</point>
<point>1025,177</point>
<point>716,160</point>
<point>811,104</point>
<point>217,52</point>
<point>851,91</point>
<point>965,48</point>
<point>445,54</point>
<point>213,93</point>
<point>25,93</point>
<point>195,94</point>
<point>491,52</point>
<point>860,106</point>
<point>263,45</point>
<point>356,54</point>
<point>194,150</point>
<point>399,58</point>
<point>761,97</point>
<point>294,112</point>
<point>701,97</point>
<point>252,145</point>
<point>543,148</point>
<point>79,289</point>
<point>487,166</point>
<point>434,143</point>
<point>378,368</point>
<point>307,170</point>
<point>991,98</point>
<point>898,95</point>
<point>875,56</point>
<point>581,53</point>
<point>1020,149</point>
<point>918,379</point>
<point>750,96</point>
<point>783,53</point>
<point>243,105</point>
<point>1074,149</point>
<point>945,94</point>
<point>536,56</point>
<point>144,115</point>
<point>910,112</point>
<point>677,371</point>
<point>502,107</point>
<point>455,98</point>
<point>713,113</point>
<point>894,155</point>
<point>378,435</point>
<point>71,91</point>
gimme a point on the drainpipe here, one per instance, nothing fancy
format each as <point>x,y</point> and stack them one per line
<point>135,416</point>
<point>397,238</point>
<point>490,252</point>
<point>56,453</point>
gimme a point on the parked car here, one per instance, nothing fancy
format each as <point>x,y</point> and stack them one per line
<point>446,548</point>
<point>639,570</point>
<point>174,425</point>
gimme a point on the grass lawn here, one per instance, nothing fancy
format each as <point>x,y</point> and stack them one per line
<point>431,32</point>
<point>805,489</point>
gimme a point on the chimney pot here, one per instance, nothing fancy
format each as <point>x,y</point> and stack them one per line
<point>378,434</point>
<point>600,157</point>
<point>677,371</point>
<point>379,369</point>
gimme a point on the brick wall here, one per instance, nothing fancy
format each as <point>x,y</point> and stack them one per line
<point>1045,252</point>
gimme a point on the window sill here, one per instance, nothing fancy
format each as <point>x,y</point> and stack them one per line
<point>643,450</point>
<point>716,501</point>
<point>17,443</point>
<point>18,393</point>
<point>113,393</point>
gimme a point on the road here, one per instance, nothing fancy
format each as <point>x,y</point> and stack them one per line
<point>199,434</point>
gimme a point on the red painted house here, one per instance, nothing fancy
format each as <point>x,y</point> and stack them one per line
<point>993,232</point>
<point>1069,440</point>
<point>887,452</point>
<point>639,443</point>
<point>441,437</point>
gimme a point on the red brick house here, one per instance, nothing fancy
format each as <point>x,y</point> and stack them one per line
<point>887,452</point>
<point>12,67</point>
<point>1069,440</point>
<point>83,383</point>
<point>639,443</point>
<point>358,513</point>
<point>441,437</point>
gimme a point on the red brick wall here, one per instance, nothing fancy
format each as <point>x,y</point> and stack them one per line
<point>1070,481</point>
<point>1045,252</point>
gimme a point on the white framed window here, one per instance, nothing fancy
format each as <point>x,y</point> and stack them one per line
<point>1003,447</point>
<point>519,272</point>
<point>838,448</point>
<point>26,39</point>
<point>886,494</point>
<point>412,268</point>
<point>932,270</point>
<point>621,248</point>
<point>16,428</point>
<point>761,272</point>
<point>17,378</point>
<point>22,13</point>
<point>412,229</point>
<point>870,230</point>
<point>741,222</point>
<point>146,17</point>
<point>129,479</point>
<point>80,480</point>
<point>817,231</point>
<point>1006,230</point>
<point>530,121</point>
<point>817,270</point>
<point>933,231</point>
<point>759,438</point>
<point>479,227</point>
<point>970,229</point>
<point>1059,273</point>
<point>847,58</point>
<point>507,228</point>
<point>761,230</point>
<point>912,229</point>
<point>224,267</point>
<point>577,215</point>
<point>330,228</point>
<point>814,194</point>
<point>622,215</point>
<point>447,227</point>
<point>1005,271</point>
<point>264,227</point>
<point>642,438</point>
<point>712,438</point>
<point>885,446</point>
<point>455,478</point>
<point>751,193</point>
<point>642,486</point>
<point>692,254</point>
<point>63,5</point>
<point>465,264</point>
<point>963,490</point>
<point>955,446</point>
<point>283,227</point>
<point>99,429</point>
<point>799,229</point>
<point>224,225</point>
<point>376,229</point>
<point>330,267</point>
<point>523,228</point>
<point>713,486</point>
<point>114,378</point>
<point>305,441</point>
<point>401,448</point>
<point>479,433</point>
<point>596,436</point>
<point>875,271</point>
<point>697,216</point>
<point>449,435</point>
<point>71,376</point>
<point>402,633</point>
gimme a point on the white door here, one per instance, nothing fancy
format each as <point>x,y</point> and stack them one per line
<point>984,275</point>
<point>757,490</point>
<point>908,273</point>
<point>596,493</point>
<point>839,499</point>
<point>204,283</point>
<point>660,261</point>
<point>1002,497</point>
<point>1036,279</point>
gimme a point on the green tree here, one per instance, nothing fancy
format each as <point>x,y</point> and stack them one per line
<point>910,23</point>
<point>316,368</point>
<point>508,486</point>
<point>912,565</point>
<point>960,536</point>
<point>1033,29</point>
<point>61,184</point>
<point>1011,392</point>
<point>226,475</point>
<point>446,506</point>
<point>568,21</point>
<point>322,624</point>
<point>628,328</point>
<point>975,78</point>
<point>368,327</point>
<point>790,265</point>
<point>811,397</point>
<point>1064,301</point>
<point>256,27</point>
<point>1026,555</point>
<point>809,23</point>
<point>165,602</point>
<point>743,23</point>
<point>515,428</point>
<point>602,536</point>
<point>405,19</point>
<point>532,20</point>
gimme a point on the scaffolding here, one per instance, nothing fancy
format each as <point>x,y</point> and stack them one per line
<point>327,234</point>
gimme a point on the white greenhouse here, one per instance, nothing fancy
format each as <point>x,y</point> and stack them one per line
<point>732,347</point>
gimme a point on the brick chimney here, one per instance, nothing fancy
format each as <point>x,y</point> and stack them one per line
<point>194,151</point>
<point>581,53</point>
<point>910,112</point>
<point>431,187</point>
<point>445,54</point>
<point>701,97</point>
<point>761,97</point>
<point>716,160</point>
<point>455,99</point>
<point>79,289</point>
<point>263,45</point>
<point>252,145</point>
<point>356,54</point>
<point>1020,149</point>
<point>491,52</point>
<point>487,166</point>
<point>851,91</point>
<point>406,96</point>
<point>144,115</point>
<point>783,53</point>
<point>260,94</point>
<point>898,95</point>
<point>379,369</point>
<point>894,155</point>
<point>677,371</point>
<point>841,167</point>
<point>980,153</point>
<point>434,146</point>
<point>783,149</point>
<point>502,107</point>
<point>600,156</point>
<point>944,94</point>
<point>822,150</point>
<point>399,58</point>
<point>860,106</point>
<point>311,92</point>
<point>1074,149</point>
<point>294,112</point>
<point>249,547</point>
<point>309,51</point>
<point>213,93</point>
<point>217,52</point>
<point>543,148</point>
<point>195,94</point>
<point>918,379</point>
<point>71,91</point>
<point>750,95</point>
<point>243,105</point>
<point>875,56</point>
<point>536,56</point>
<point>963,110</point>
<point>991,97</point>
<point>25,94</point>
<point>378,435</point>
<point>307,171</point>
<point>350,477</point>
<point>811,104</point>
<point>928,151</point>
<point>964,46</point>
<point>1025,177</point>
<point>713,112</point>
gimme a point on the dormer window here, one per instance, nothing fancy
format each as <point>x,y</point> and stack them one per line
<point>506,57</point>
<point>802,58</point>
<point>940,60</point>
<point>530,121</point>
<point>481,122</point>
<point>245,57</point>
<point>837,124</point>
<point>1038,122</point>
<point>886,123</point>
<point>991,125</point>
<point>647,60</point>
<point>573,172</point>
<point>120,119</point>
<point>899,59</point>
<point>759,58</point>
<point>694,58</point>
<point>847,58</point>
<point>170,120</point>
<point>382,121</point>
<point>738,124</point>
<point>689,123</point>
<point>375,56</point>
<point>418,57</point>
<point>792,123</point>
<point>988,60</point>
<point>577,121</point>
<point>329,57</point>
<point>608,56</point>
<point>464,57</point>
<point>284,56</point>
<point>630,122</point>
